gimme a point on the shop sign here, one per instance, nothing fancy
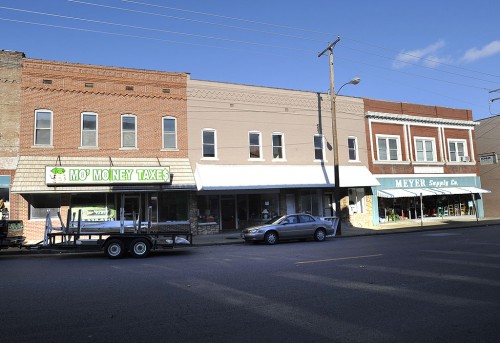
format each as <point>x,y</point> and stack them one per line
<point>105,175</point>
<point>488,159</point>
<point>427,182</point>
<point>420,183</point>
<point>93,213</point>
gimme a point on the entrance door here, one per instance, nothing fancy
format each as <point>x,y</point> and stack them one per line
<point>290,203</point>
<point>131,205</point>
<point>228,214</point>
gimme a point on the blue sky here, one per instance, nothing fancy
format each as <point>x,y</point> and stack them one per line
<point>442,53</point>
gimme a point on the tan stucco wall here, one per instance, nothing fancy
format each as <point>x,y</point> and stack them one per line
<point>233,110</point>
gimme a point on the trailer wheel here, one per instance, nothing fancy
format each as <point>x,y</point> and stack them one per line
<point>140,247</point>
<point>114,248</point>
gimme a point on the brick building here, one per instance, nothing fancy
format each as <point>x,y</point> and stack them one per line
<point>425,160</point>
<point>98,139</point>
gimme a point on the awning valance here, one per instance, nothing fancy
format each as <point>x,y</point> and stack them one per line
<point>233,177</point>
<point>416,192</point>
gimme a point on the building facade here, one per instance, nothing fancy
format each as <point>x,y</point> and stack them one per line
<point>425,160</point>
<point>99,139</point>
<point>258,152</point>
<point>10,107</point>
<point>488,148</point>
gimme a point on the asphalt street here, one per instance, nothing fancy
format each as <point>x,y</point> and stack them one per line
<point>441,286</point>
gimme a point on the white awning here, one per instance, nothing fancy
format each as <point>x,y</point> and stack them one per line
<point>416,192</point>
<point>227,177</point>
<point>356,176</point>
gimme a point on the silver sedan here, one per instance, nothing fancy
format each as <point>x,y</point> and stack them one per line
<point>291,226</point>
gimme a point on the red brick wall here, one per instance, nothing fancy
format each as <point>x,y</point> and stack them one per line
<point>68,97</point>
<point>422,131</point>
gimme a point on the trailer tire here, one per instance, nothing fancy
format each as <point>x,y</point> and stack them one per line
<point>114,248</point>
<point>140,247</point>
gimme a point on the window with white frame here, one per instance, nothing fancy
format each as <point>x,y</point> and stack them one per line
<point>278,146</point>
<point>319,147</point>
<point>89,129</point>
<point>129,131</point>
<point>43,127</point>
<point>209,143</point>
<point>169,133</point>
<point>352,144</point>
<point>389,148</point>
<point>255,145</point>
<point>458,150</point>
<point>425,149</point>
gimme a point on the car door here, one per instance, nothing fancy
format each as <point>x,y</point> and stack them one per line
<point>288,227</point>
<point>307,225</point>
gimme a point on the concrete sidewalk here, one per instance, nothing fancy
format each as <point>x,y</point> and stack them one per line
<point>428,224</point>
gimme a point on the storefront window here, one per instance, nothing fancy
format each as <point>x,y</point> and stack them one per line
<point>41,203</point>
<point>94,206</point>
<point>208,208</point>
<point>173,206</point>
<point>263,206</point>
<point>310,202</point>
<point>4,203</point>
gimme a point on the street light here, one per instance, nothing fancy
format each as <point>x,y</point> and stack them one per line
<point>333,98</point>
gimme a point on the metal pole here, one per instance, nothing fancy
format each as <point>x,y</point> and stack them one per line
<point>421,211</point>
<point>336,189</point>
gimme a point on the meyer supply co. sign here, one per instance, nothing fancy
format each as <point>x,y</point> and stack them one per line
<point>427,182</point>
<point>105,175</point>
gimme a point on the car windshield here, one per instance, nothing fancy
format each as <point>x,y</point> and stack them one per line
<point>274,220</point>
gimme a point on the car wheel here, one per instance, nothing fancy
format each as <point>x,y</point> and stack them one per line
<point>320,235</point>
<point>140,247</point>
<point>271,238</point>
<point>114,248</point>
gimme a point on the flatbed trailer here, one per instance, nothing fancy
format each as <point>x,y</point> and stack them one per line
<point>115,245</point>
<point>114,238</point>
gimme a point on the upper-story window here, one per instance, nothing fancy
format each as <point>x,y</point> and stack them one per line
<point>89,129</point>
<point>169,133</point>
<point>278,146</point>
<point>209,143</point>
<point>389,148</point>
<point>43,127</point>
<point>352,144</point>
<point>458,150</point>
<point>129,131</point>
<point>255,145</point>
<point>319,148</point>
<point>425,149</point>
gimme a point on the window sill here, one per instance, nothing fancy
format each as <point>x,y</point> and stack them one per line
<point>472,163</point>
<point>209,159</point>
<point>171,150</point>
<point>354,161</point>
<point>392,162</point>
<point>279,160</point>
<point>127,148</point>
<point>41,146</point>
<point>433,163</point>
<point>256,160</point>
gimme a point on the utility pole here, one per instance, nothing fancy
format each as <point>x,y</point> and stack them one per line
<point>336,189</point>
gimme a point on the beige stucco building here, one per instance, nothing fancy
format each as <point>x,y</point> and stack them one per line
<point>258,152</point>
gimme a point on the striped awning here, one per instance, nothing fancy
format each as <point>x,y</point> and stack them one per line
<point>416,192</point>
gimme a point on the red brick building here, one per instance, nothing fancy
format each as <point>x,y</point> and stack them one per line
<point>425,159</point>
<point>116,121</point>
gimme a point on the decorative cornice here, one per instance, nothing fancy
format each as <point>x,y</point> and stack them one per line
<point>419,119</point>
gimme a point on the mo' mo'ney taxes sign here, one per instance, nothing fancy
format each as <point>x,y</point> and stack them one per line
<point>105,175</point>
